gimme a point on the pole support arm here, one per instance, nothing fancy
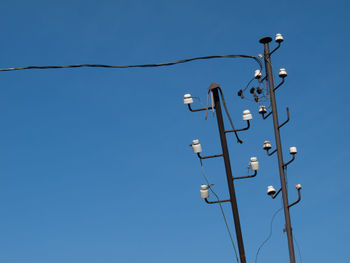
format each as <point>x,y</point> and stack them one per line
<point>287,163</point>
<point>209,156</point>
<point>238,130</point>
<point>276,194</point>
<point>279,44</point>
<point>245,177</point>
<point>195,110</point>
<point>279,85</point>
<point>216,202</point>
<point>279,127</point>
<point>270,153</point>
<point>297,201</point>
<point>266,116</point>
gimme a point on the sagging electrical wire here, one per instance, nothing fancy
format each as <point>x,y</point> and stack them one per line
<point>299,252</point>
<point>269,236</point>
<point>135,66</point>
<point>222,210</point>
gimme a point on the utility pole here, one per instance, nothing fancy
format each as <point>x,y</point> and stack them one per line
<point>288,226</point>
<point>215,89</point>
<point>231,186</point>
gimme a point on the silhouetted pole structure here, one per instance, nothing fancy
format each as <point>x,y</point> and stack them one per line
<point>231,187</point>
<point>269,75</point>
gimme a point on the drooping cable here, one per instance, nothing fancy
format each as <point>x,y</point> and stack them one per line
<point>299,252</point>
<point>135,66</point>
<point>269,236</point>
<point>222,210</point>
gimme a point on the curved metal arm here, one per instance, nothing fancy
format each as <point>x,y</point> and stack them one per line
<point>276,194</point>
<point>194,110</point>
<point>270,153</point>
<point>279,85</point>
<point>261,80</point>
<point>265,116</point>
<point>286,120</point>
<point>238,130</point>
<point>248,176</point>
<point>209,156</point>
<point>285,165</point>
<point>297,201</point>
<point>279,44</point>
<point>215,202</point>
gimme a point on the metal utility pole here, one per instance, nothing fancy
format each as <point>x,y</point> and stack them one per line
<point>215,89</point>
<point>231,187</point>
<point>288,227</point>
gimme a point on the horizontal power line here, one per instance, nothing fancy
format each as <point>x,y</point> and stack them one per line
<point>134,66</point>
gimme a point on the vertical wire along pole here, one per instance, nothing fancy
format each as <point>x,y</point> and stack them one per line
<point>229,175</point>
<point>288,226</point>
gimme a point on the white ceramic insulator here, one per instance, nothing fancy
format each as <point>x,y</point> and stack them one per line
<point>267,144</point>
<point>254,164</point>
<point>293,150</point>
<point>188,99</point>
<point>298,186</point>
<point>282,73</point>
<point>270,189</point>
<point>279,37</point>
<point>262,108</point>
<point>196,146</point>
<point>257,74</point>
<point>204,191</point>
<point>247,116</point>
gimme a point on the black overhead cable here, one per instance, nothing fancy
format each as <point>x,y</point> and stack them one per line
<point>134,66</point>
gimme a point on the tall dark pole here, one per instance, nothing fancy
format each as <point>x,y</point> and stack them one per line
<point>229,175</point>
<point>288,226</point>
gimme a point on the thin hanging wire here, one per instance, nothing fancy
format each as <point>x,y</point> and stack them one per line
<point>222,210</point>
<point>269,236</point>
<point>135,66</point>
<point>299,252</point>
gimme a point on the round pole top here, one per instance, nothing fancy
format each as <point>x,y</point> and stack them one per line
<point>265,40</point>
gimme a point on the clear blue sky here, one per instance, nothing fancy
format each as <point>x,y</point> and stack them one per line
<point>95,165</point>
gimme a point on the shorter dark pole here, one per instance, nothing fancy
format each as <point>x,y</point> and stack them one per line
<point>229,174</point>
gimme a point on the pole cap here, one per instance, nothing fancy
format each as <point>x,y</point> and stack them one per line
<point>265,40</point>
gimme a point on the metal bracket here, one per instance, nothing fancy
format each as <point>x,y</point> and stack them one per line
<point>276,194</point>
<point>216,202</point>
<point>194,110</point>
<point>286,120</point>
<point>279,85</point>
<point>266,116</point>
<point>285,165</point>
<point>209,156</point>
<point>297,201</point>
<point>248,176</point>
<point>279,44</point>
<point>270,153</point>
<point>238,130</point>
